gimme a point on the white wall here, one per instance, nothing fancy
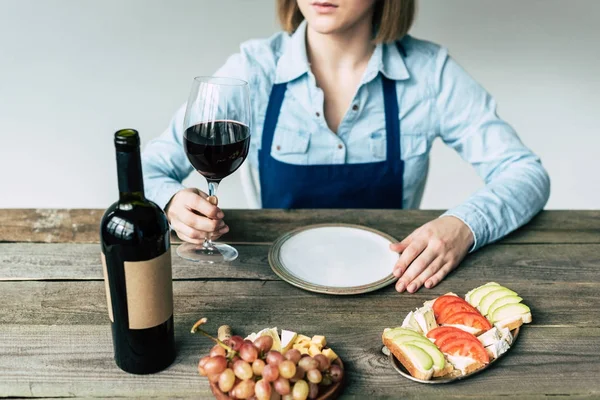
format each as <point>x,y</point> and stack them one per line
<point>74,71</point>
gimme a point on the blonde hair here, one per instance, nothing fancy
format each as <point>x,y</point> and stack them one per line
<point>392,19</point>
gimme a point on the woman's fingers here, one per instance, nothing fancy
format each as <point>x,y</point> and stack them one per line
<point>201,205</point>
<point>199,222</point>
<point>429,271</point>
<point>420,264</point>
<point>407,257</point>
<point>441,274</point>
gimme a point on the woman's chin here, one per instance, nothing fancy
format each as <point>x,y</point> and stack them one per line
<point>326,26</point>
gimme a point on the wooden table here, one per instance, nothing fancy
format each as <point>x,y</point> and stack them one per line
<point>55,336</point>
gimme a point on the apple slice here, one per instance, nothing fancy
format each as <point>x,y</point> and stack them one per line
<point>399,338</point>
<point>439,362</point>
<point>481,291</point>
<point>419,357</point>
<point>470,293</point>
<point>502,302</point>
<point>488,299</point>
<point>403,331</point>
<point>509,311</point>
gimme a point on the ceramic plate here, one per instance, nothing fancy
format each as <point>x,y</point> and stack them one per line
<point>448,379</point>
<point>334,258</point>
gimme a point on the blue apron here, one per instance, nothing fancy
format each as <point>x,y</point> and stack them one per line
<point>366,185</point>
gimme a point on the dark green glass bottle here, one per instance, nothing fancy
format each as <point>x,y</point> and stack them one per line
<point>136,258</point>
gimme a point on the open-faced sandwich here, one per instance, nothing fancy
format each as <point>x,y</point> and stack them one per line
<point>450,336</point>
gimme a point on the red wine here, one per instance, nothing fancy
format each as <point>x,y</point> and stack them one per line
<point>136,259</point>
<point>216,149</point>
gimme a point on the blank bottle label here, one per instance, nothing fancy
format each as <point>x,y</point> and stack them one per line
<point>149,290</point>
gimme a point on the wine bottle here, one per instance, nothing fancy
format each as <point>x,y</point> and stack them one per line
<point>136,260</point>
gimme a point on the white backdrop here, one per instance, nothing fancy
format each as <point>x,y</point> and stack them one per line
<point>72,72</point>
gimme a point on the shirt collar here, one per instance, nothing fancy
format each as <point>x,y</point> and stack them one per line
<point>293,63</point>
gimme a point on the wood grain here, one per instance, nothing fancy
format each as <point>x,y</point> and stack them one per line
<point>507,263</point>
<point>77,361</point>
<point>264,226</point>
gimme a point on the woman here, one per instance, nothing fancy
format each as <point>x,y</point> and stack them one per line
<point>346,106</point>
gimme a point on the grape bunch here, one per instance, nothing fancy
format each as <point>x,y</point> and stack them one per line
<point>243,369</point>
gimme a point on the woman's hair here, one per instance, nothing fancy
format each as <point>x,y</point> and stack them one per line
<point>391,20</point>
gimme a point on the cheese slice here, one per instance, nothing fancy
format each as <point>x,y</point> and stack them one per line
<point>497,349</point>
<point>411,323</point>
<point>506,335</point>
<point>425,318</point>
<point>287,339</point>
<point>460,363</point>
<point>490,337</point>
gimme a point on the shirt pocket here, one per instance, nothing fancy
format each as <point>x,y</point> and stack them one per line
<point>291,146</point>
<point>412,145</point>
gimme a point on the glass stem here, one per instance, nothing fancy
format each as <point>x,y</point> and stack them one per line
<point>212,193</point>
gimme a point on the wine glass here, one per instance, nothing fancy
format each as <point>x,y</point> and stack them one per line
<point>216,141</point>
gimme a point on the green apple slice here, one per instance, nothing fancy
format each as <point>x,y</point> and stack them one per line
<point>478,293</point>
<point>509,311</point>
<point>401,331</point>
<point>488,299</point>
<point>502,302</point>
<point>400,338</point>
<point>470,293</point>
<point>439,362</point>
<point>417,356</point>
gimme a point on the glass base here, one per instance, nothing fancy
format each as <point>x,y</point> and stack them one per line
<point>220,252</point>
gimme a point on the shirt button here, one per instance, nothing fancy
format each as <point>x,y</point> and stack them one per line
<point>340,146</point>
<point>355,107</point>
<point>318,114</point>
<point>278,147</point>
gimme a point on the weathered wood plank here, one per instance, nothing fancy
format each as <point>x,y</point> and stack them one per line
<point>523,263</point>
<point>264,226</point>
<point>246,303</point>
<point>40,361</point>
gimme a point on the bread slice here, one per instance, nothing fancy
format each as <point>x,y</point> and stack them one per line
<point>406,362</point>
<point>514,322</point>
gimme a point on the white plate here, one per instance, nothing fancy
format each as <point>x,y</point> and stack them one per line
<point>334,258</point>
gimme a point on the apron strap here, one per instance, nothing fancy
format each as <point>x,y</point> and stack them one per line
<point>392,120</point>
<point>272,116</point>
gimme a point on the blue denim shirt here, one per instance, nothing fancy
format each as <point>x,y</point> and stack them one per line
<point>437,98</point>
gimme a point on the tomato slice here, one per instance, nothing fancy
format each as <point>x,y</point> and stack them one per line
<point>450,337</point>
<point>467,348</point>
<point>440,303</point>
<point>453,308</point>
<point>436,333</point>
<point>475,320</point>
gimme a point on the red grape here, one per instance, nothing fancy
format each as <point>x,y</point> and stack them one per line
<point>313,390</point>
<point>263,390</point>
<point>314,376</point>
<point>336,373</point>
<point>274,358</point>
<point>201,364</point>
<point>300,390</point>
<point>236,342</point>
<point>217,350</point>
<point>287,369</point>
<point>248,352</point>
<point>242,370</point>
<point>323,362</point>
<point>257,367</point>
<point>244,389</point>
<point>264,343</point>
<point>270,373</point>
<point>298,375</point>
<point>214,378</point>
<point>308,363</point>
<point>226,380</point>
<point>293,355</point>
<point>215,365</point>
<point>282,386</point>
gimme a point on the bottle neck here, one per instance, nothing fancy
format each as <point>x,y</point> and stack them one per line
<point>129,171</point>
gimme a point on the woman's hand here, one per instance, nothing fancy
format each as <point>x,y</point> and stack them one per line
<point>431,252</point>
<point>193,217</point>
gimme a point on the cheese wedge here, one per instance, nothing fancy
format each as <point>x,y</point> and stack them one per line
<point>425,318</point>
<point>288,339</point>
